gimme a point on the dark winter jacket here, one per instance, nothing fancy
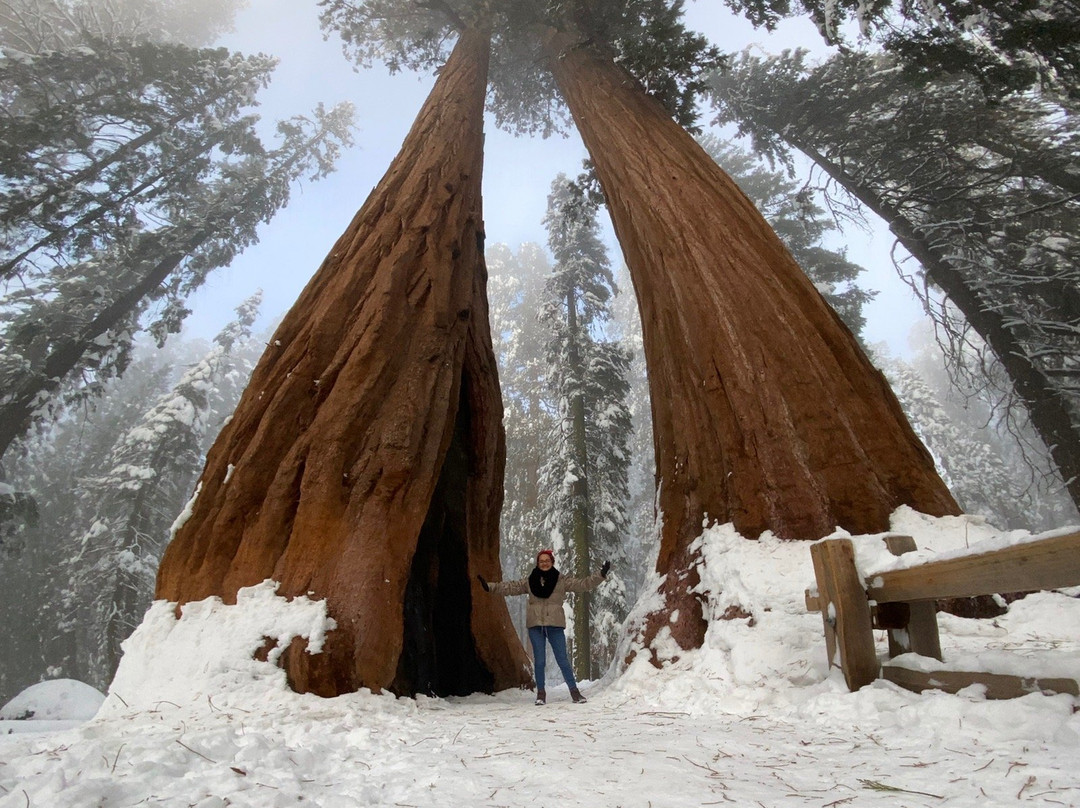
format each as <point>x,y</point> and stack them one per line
<point>547,611</point>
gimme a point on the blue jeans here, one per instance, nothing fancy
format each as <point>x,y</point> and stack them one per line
<point>556,636</point>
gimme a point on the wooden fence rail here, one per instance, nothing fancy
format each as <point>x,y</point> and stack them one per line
<point>902,602</point>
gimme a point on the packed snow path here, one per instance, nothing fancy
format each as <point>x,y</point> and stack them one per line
<point>878,748</point>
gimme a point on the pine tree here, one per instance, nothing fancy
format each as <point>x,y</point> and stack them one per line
<point>801,224</point>
<point>36,26</point>
<point>130,172</point>
<point>584,481</point>
<point>976,474</point>
<point>130,506</point>
<point>981,191</point>
<point>516,287</point>
<point>52,466</point>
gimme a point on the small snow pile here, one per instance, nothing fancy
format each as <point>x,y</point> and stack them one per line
<point>54,700</point>
<point>209,652</point>
<point>770,649</point>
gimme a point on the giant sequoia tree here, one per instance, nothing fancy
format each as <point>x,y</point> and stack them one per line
<point>766,413</point>
<point>364,463</point>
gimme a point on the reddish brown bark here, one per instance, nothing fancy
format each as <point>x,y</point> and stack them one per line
<point>765,411</point>
<point>367,453</point>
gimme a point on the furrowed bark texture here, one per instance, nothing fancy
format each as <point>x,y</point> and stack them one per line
<point>765,411</point>
<point>367,453</point>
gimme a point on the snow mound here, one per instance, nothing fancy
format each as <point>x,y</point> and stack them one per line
<point>209,652</point>
<point>771,656</point>
<point>54,700</point>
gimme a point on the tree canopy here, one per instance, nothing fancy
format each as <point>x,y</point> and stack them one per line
<point>646,36</point>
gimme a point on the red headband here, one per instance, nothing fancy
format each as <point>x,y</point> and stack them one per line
<point>546,552</point>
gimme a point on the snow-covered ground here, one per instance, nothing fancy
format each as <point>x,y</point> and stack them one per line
<point>754,718</point>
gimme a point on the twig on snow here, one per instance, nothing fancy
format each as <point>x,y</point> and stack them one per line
<point>664,713</point>
<point>200,754</point>
<point>876,786</point>
<point>116,759</point>
<point>1030,782</point>
<point>705,766</point>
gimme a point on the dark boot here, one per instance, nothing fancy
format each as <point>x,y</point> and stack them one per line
<point>575,694</point>
<point>541,698</point>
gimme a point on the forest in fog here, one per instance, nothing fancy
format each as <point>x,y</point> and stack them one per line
<point>136,162</point>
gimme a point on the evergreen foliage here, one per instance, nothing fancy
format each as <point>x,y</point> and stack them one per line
<point>983,192</point>
<point>131,505</point>
<point>128,172</point>
<point>1004,46</point>
<point>583,482</point>
<point>56,467</point>
<point>37,26</point>
<point>515,290</point>
<point>645,36</point>
<point>802,225</point>
<point>988,464</point>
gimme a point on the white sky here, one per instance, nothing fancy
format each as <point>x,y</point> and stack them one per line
<point>517,172</point>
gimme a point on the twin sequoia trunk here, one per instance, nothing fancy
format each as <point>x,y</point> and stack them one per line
<point>364,464</point>
<point>765,411</point>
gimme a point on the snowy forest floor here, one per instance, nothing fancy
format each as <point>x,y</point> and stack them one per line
<point>753,719</point>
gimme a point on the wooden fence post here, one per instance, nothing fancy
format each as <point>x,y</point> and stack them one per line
<point>845,612</point>
<point>920,635</point>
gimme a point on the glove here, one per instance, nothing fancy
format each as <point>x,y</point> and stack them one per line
<point>604,569</point>
<point>483,583</point>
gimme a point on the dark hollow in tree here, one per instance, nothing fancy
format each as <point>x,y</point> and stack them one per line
<point>367,453</point>
<point>766,412</point>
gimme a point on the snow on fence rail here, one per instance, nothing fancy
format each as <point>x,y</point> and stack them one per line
<point>901,601</point>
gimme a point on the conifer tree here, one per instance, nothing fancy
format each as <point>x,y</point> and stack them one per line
<point>584,480</point>
<point>1005,46</point>
<point>36,26</point>
<point>131,504</point>
<point>130,172</point>
<point>385,370</point>
<point>53,465</point>
<point>981,191</point>
<point>801,224</point>
<point>516,287</point>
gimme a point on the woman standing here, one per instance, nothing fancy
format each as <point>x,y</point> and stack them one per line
<point>544,614</point>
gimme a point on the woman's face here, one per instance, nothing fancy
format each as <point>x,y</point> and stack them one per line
<point>545,562</point>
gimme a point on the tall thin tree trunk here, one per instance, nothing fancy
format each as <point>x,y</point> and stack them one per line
<point>367,453</point>
<point>765,411</point>
<point>579,495</point>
